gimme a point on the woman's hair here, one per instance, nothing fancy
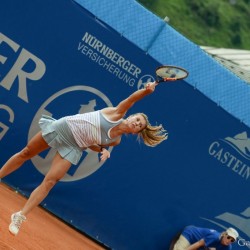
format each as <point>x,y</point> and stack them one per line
<point>152,135</point>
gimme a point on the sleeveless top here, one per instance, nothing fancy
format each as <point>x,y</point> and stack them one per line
<point>91,128</point>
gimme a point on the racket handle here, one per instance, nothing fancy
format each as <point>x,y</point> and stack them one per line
<point>169,79</point>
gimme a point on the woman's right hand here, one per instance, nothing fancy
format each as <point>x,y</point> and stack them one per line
<point>151,86</point>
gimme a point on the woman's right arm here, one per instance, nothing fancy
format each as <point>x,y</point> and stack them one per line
<point>121,109</point>
<point>127,103</point>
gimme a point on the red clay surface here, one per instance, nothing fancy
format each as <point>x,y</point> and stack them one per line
<point>41,231</point>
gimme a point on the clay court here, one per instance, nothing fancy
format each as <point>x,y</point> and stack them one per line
<point>42,231</point>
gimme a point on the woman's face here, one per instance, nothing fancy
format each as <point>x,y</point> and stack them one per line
<point>136,123</point>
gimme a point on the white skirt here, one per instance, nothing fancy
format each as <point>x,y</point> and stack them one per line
<point>58,135</point>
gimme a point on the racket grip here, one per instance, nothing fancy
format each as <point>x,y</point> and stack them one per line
<point>169,79</point>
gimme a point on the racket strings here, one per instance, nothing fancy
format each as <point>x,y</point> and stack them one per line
<point>164,73</point>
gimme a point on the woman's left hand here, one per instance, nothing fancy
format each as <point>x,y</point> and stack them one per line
<point>105,154</point>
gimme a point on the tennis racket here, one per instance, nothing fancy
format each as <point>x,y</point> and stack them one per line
<point>170,73</point>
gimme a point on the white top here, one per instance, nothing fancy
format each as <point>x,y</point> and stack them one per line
<point>85,128</point>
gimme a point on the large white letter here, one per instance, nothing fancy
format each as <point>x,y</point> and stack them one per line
<point>4,127</point>
<point>17,71</point>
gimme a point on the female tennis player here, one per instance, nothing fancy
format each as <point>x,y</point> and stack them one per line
<point>70,135</point>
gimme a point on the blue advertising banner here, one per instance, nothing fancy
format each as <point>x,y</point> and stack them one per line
<point>57,59</point>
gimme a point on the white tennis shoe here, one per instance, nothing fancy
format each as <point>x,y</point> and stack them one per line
<point>16,221</point>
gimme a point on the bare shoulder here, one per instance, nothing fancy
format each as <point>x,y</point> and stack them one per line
<point>112,113</point>
<point>108,110</point>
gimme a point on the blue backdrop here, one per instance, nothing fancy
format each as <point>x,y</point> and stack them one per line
<point>60,60</point>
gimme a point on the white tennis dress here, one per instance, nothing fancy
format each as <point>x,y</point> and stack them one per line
<point>70,135</point>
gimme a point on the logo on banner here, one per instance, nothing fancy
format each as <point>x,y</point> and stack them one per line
<point>18,66</point>
<point>109,59</point>
<point>144,80</point>
<point>85,99</point>
<point>26,67</point>
<point>238,221</point>
<point>234,153</point>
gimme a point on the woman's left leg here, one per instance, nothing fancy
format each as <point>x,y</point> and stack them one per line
<point>58,169</point>
<point>36,145</point>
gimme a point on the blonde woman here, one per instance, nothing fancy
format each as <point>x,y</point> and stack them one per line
<point>70,135</point>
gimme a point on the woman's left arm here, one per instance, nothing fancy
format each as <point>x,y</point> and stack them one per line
<point>105,154</point>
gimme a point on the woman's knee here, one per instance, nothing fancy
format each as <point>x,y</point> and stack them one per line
<point>49,183</point>
<point>25,154</point>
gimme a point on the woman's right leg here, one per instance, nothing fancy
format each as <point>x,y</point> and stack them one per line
<point>36,145</point>
<point>59,168</point>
